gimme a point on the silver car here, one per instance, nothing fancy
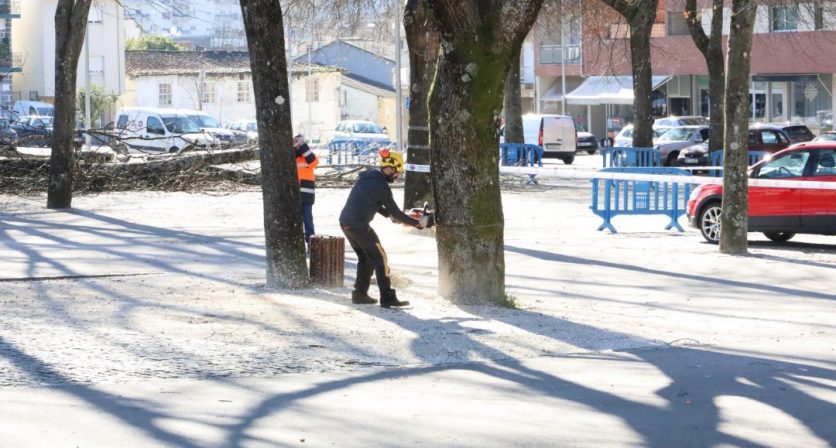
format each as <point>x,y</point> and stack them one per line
<point>675,139</point>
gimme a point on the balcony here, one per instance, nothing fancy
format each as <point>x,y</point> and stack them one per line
<point>10,62</point>
<point>9,9</point>
<point>553,54</point>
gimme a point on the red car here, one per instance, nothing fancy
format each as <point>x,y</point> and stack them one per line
<point>779,213</point>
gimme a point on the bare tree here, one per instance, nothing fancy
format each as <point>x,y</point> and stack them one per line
<point>70,28</point>
<point>711,48</point>
<point>478,41</point>
<point>424,44</point>
<point>284,239</point>
<point>640,16</point>
<point>735,216</point>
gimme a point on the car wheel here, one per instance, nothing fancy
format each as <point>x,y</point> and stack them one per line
<point>173,150</point>
<point>671,160</point>
<point>569,159</point>
<point>709,222</point>
<point>590,151</point>
<point>779,237</point>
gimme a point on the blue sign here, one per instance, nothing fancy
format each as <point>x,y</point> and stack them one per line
<point>406,101</point>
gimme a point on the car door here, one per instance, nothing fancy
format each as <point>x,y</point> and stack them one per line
<point>155,133</point>
<point>818,207</point>
<point>778,207</point>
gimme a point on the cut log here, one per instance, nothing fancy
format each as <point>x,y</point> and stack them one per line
<point>327,260</point>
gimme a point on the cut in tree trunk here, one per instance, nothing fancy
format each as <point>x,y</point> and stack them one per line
<point>479,39</point>
<point>735,216</point>
<point>70,28</point>
<point>513,102</point>
<point>423,41</point>
<point>284,238</point>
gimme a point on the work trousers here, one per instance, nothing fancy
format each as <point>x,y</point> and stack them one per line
<point>371,258</point>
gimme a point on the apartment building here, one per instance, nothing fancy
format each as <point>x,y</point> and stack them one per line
<point>793,71</point>
<point>10,62</point>
<point>103,59</point>
<point>197,24</point>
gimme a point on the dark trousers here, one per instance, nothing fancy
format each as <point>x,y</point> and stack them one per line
<point>371,258</point>
<point>307,217</point>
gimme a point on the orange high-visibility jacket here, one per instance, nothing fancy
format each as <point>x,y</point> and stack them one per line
<point>306,162</point>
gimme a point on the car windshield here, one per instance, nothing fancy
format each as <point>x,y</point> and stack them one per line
<point>45,111</point>
<point>179,124</point>
<point>42,122</point>
<point>366,128</point>
<point>205,121</point>
<point>677,135</point>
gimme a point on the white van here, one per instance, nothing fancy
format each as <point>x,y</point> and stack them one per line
<point>160,130</point>
<point>556,134</point>
<point>31,108</point>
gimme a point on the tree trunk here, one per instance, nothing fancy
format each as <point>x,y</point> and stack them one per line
<point>70,28</point>
<point>513,102</point>
<point>424,42</point>
<point>734,219</point>
<point>284,239</point>
<point>711,48</point>
<point>479,40</point>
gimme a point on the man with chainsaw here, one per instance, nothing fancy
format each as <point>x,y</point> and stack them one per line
<point>370,195</point>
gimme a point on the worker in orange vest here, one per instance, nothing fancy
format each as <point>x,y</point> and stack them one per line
<point>306,161</point>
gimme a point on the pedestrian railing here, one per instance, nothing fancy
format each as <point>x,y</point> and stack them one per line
<point>353,152</point>
<point>613,197</point>
<point>630,157</point>
<point>520,154</point>
<point>715,158</point>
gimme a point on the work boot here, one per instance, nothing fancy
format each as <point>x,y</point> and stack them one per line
<point>389,299</point>
<point>362,298</point>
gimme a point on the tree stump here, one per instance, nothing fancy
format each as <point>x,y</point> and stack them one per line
<point>327,260</point>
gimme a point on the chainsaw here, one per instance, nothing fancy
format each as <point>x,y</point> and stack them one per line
<point>417,213</point>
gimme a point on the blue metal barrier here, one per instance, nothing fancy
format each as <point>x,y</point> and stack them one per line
<point>350,152</point>
<point>715,158</point>
<point>611,197</point>
<point>519,154</point>
<point>630,157</point>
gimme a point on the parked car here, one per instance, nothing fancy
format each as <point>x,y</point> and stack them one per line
<point>826,136</point>
<point>779,213</point>
<point>208,123</point>
<point>246,128</point>
<point>359,130</point>
<point>37,131</point>
<point>25,108</point>
<point>160,130</point>
<point>761,138</point>
<point>8,136</point>
<point>587,142</point>
<point>675,139</point>
<point>797,133</point>
<point>663,124</point>
<point>624,138</point>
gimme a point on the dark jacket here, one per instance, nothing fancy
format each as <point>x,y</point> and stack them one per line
<point>371,194</point>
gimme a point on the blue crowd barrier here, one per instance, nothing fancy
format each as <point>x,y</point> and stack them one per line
<point>715,158</point>
<point>630,157</point>
<point>520,154</point>
<point>612,197</point>
<point>351,152</point>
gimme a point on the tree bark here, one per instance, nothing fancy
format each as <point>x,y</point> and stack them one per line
<point>478,41</point>
<point>735,216</point>
<point>711,48</point>
<point>424,42</point>
<point>284,239</point>
<point>70,28</point>
<point>640,15</point>
<point>513,102</point>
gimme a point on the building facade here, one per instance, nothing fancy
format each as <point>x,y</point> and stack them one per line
<point>792,75</point>
<point>197,24</point>
<point>10,61</point>
<point>102,62</point>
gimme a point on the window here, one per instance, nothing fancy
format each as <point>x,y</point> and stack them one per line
<point>208,92</point>
<point>769,138</point>
<point>122,122</point>
<point>826,165</point>
<point>243,91</point>
<point>789,165</point>
<point>164,98</point>
<point>677,26</point>
<point>312,93</point>
<point>154,126</point>
<point>784,18</point>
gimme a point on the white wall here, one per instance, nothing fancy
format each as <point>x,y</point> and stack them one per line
<point>34,37</point>
<point>324,114</point>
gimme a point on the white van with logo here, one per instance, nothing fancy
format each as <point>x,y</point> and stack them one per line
<point>160,130</point>
<point>556,134</point>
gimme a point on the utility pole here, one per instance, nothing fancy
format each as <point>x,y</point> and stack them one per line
<point>87,113</point>
<point>398,105</point>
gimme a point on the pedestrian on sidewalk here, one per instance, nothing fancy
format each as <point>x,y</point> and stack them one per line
<point>370,195</point>
<point>306,162</point>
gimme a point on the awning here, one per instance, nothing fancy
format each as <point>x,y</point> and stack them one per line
<point>609,90</point>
